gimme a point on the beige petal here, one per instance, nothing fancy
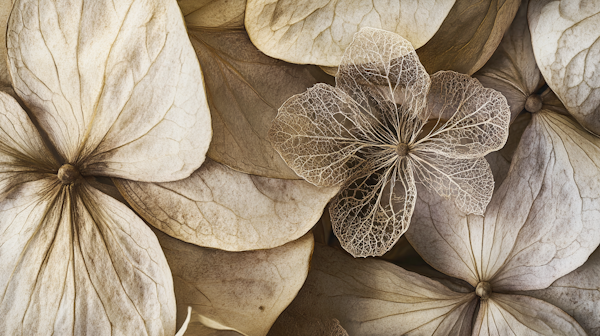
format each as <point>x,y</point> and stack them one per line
<point>77,262</point>
<point>116,86</point>
<point>318,31</point>
<point>469,35</point>
<point>516,315</point>
<point>512,69</point>
<point>241,291</point>
<point>222,208</point>
<point>541,224</point>
<point>373,297</point>
<point>473,121</point>
<point>567,49</point>
<point>578,294</point>
<point>5,8</point>
<point>245,88</point>
<point>382,73</point>
<point>373,211</point>
<point>324,136</point>
<point>213,14</point>
<point>468,182</point>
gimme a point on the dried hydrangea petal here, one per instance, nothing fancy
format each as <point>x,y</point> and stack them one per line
<point>319,134</point>
<point>372,212</point>
<point>474,120</point>
<point>469,182</point>
<point>382,72</point>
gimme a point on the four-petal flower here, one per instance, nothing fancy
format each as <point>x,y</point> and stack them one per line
<point>371,134</point>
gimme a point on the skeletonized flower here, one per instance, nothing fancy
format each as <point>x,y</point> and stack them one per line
<point>116,91</point>
<point>371,134</point>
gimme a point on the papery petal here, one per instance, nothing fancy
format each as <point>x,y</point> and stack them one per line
<point>381,71</point>
<point>76,261</point>
<point>373,211</point>
<point>323,136</point>
<point>318,31</point>
<point>578,294</point>
<point>541,224</point>
<point>5,8</point>
<point>566,43</point>
<point>213,14</point>
<point>469,182</point>
<point>474,120</point>
<point>373,297</point>
<point>512,69</point>
<point>522,315</point>
<point>116,85</point>
<point>221,208</point>
<point>241,291</point>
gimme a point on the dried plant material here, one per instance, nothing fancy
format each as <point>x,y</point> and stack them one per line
<point>244,88</point>
<point>578,294</point>
<point>318,32</point>
<point>213,14</point>
<point>240,291</point>
<point>367,135</point>
<point>221,208</point>
<point>373,297</point>
<point>522,315</point>
<point>566,46</point>
<point>468,36</point>
<point>528,244</point>
<point>118,92</point>
<point>512,69</point>
<point>5,8</point>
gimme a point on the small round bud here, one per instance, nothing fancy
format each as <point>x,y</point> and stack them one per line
<point>402,149</point>
<point>483,290</point>
<point>68,174</point>
<point>533,103</point>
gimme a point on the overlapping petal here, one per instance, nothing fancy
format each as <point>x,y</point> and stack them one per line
<point>116,86</point>
<point>473,120</point>
<point>324,136</point>
<point>77,263</point>
<point>381,71</point>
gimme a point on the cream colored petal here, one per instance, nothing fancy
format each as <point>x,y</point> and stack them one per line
<point>373,211</point>
<point>566,43</point>
<point>382,73</point>
<point>241,291</point>
<point>78,262</point>
<point>116,85</point>
<point>5,8</point>
<point>323,135</point>
<point>512,69</point>
<point>516,315</point>
<point>213,14</point>
<point>541,223</point>
<point>221,208</point>
<point>244,89</point>
<point>473,120</point>
<point>578,294</point>
<point>373,297</point>
<point>318,31</point>
<point>469,35</point>
<point>468,182</point>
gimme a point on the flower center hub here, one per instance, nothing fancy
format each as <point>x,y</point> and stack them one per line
<point>402,149</point>
<point>483,290</point>
<point>533,103</point>
<point>68,174</point>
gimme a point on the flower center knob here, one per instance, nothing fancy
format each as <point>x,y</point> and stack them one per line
<point>402,149</point>
<point>68,174</point>
<point>483,290</point>
<point>533,103</point>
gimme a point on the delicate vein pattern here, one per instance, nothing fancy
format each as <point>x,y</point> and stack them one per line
<point>367,134</point>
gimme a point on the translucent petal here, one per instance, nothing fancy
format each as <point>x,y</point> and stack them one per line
<point>469,182</point>
<point>474,120</point>
<point>381,71</point>
<point>372,211</point>
<point>77,262</point>
<point>323,136</point>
